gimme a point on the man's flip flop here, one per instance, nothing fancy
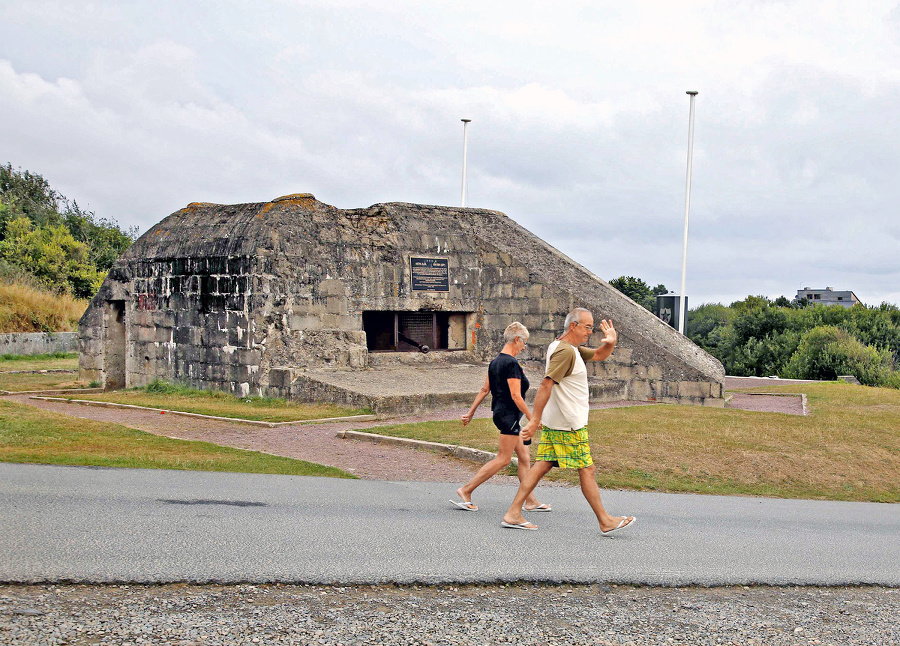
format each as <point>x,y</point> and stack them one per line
<point>525,525</point>
<point>628,521</point>
<point>467,506</point>
<point>542,507</point>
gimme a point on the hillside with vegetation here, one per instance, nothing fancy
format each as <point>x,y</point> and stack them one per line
<point>53,254</point>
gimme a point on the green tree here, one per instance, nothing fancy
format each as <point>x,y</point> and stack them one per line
<point>706,326</point>
<point>52,239</point>
<point>758,322</point>
<point>759,337</point>
<point>639,291</point>
<point>762,357</point>
<point>104,239</point>
<point>875,326</point>
<point>30,195</point>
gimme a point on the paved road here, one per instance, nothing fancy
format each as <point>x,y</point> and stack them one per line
<point>99,525</point>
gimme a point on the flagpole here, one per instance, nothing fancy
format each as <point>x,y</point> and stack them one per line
<point>466,122</point>
<point>682,314</point>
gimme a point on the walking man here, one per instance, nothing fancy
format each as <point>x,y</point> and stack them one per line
<point>561,410</point>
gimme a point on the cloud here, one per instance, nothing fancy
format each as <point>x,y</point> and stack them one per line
<point>579,127</point>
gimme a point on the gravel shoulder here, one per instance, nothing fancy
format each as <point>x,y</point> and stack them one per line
<point>526,614</point>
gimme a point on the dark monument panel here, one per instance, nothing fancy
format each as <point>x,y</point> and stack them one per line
<point>430,274</point>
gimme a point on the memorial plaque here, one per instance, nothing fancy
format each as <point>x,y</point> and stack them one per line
<point>430,274</point>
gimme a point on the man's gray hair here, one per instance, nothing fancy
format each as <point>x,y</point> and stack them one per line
<point>515,330</point>
<point>575,316</point>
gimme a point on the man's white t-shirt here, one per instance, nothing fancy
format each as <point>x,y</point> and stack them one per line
<point>568,407</point>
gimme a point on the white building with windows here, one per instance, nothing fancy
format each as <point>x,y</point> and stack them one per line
<point>827,296</point>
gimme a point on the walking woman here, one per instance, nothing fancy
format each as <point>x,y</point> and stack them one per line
<point>507,384</point>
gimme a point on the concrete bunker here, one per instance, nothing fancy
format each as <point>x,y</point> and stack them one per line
<point>299,299</point>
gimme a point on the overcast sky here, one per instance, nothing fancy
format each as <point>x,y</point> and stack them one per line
<point>579,122</point>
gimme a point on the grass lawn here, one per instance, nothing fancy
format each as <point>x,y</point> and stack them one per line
<point>56,361</point>
<point>47,381</point>
<point>161,394</point>
<point>848,448</point>
<point>31,435</point>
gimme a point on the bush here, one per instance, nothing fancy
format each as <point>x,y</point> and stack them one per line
<point>52,255</point>
<point>706,325</point>
<point>763,357</point>
<point>161,387</point>
<point>759,337</point>
<point>828,351</point>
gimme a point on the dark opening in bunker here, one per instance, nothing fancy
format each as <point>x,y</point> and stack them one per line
<point>414,331</point>
<point>115,344</point>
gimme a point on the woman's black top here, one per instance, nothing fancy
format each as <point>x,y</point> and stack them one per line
<point>503,367</point>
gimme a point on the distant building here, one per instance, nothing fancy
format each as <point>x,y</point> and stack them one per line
<point>827,296</point>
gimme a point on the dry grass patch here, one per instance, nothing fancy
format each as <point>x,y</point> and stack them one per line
<point>25,309</point>
<point>23,381</point>
<point>742,452</point>
<point>47,381</point>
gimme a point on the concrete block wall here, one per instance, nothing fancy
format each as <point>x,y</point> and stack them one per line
<point>28,343</point>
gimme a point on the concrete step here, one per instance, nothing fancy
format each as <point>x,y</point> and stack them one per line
<point>420,388</point>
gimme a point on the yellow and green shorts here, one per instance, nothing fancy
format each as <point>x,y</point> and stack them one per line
<point>565,449</point>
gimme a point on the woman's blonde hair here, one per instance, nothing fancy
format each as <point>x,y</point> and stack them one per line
<point>516,330</point>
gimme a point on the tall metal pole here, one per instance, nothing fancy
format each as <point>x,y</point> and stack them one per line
<point>682,314</point>
<point>466,122</point>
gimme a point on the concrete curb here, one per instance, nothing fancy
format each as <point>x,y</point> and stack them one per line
<point>52,371</point>
<point>457,451</point>
<point>325,420</point>
<point>51,391</point>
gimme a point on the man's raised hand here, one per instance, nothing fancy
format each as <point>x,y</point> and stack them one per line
<point>609,332</point>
